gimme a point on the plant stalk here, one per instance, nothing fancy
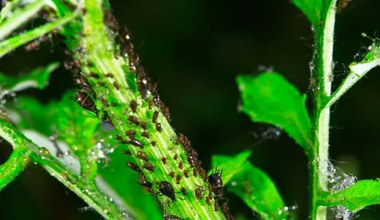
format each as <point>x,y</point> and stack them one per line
<point>324,73</point>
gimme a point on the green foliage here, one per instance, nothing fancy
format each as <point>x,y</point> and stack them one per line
<point>85,150</point>
<point>358,196</point>
<point>311,8</point>
<point>269,98</point>
<point>252,185</point>
<point>37,78</point>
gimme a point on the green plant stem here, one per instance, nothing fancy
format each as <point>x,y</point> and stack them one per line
<point>324,72</point>
<point>102,58</point>
<point>16,163</point>
<point>20,17</point>
<point>26,151</point>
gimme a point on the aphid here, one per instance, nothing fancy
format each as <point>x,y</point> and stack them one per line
<point>342,4</point>
<point>172,217</point>
<point>153,143</point>
<point>199,193</point>
<point>215,180</point>
<point>145,134</point>
<point>167,189</point>
<point>195,172</point>
<point>133,105</point>
<point>208,198</point>
<point>178,179</point>
<point>154,88</point>
<point>192,157</point>
<point>71,65</point>
<point>157,100</point>
<point>130,134</point>
<point>143,125</point>
<point>186,173</point>
<point>119,138</point>
<point>83,83</point>
<point>108,75</point>
<point>148,166</point>
<point>32,45</point>
<point>226,211</point>
<point>142,155</point>
<point>144,182</point>
<point>133,120</point>
<point>158,127</point>
<point>86,102</point>
<point>216,206</point>
<point>135,142</point>
<point>202,173</point>
<point>166,112</point>
<point>94,75</point>
<point>171,174</point>
<point>155,116</point>
<point>175,157</point>
<point>180,165</point>
<point>134,167</point>
<point>116,85</point>
<point>163,160</point>
<point>126,152</point>
<point>183,190</point>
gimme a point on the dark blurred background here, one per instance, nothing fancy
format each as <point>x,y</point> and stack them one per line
<point>194,50</point>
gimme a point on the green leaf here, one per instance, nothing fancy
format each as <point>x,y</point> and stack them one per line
<point>252,185</point>
<point>38,78</point>
<point>123,181</point>
<point>230,165</point>
<point>311,8</point>
<point>356,197</point>
<point>270,98</point>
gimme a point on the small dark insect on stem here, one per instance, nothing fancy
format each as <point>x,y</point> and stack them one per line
<point>342,4</point>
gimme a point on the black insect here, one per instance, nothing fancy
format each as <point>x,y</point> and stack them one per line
<point>130,134</point>
<point>172,217</point>
<point>180,165</point>
<point>86,102</point>
<point>342,4</point>
<point>192,157</point>
<point>167,189</point>
<point>171,174</point>
<point>142,155</point>
<point>133,105</point>
<point>133,120</point>
<point>178,179</point>
<point>116,85</point>
<point>134,167</point>
<point>158,127</point>
<point>149,166</point>
<point>163,160</point>
<point>183,190</point>
<point>145,134</point>
<point>186,173</point>
<point>127,152</point>
<point>153,143</point>
<point>155,116</point>
<point>94,75</point>
<point>216,183</point>
<point>135,142</point>
<point>144,182</point>
<point>108,75</point>
<point>199,193</point>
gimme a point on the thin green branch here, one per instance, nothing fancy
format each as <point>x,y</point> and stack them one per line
<point>324,73</point>
<point>40,155</point>
<point>21,16</point>
<point>14,166</point>
<point>14,42</point>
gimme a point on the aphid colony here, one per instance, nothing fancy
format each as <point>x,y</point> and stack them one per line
<point>140,135</point>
